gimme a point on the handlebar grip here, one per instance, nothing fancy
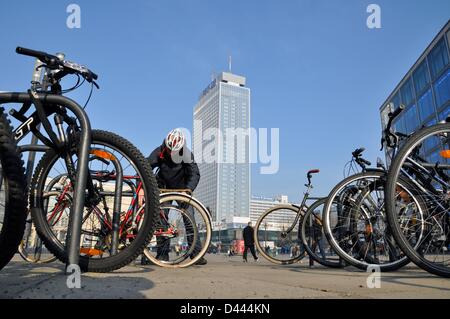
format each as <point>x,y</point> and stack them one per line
<point>399,110</point>
<point>314,171</point>
<point>94,76</point>
<point>366,162</point>
<point>29,52</point>
<point>44,57</point>
<point>358,152</point>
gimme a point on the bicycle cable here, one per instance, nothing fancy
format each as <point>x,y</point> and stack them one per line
<point>76,86</point>
<point>89,97</point>
<point>351,168</point>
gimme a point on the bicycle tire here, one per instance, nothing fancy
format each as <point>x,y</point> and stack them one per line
<point>13,180</point>
<point>361,264</point>
<point>312,254</point>
<point>202,211</point>
<point>23,245</point>
<point>124,257</point>
<point>393,175</point>
<point>261,250</point>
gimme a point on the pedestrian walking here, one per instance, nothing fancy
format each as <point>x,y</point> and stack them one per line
<point>249,242</point>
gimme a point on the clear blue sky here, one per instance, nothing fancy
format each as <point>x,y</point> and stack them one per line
<point>315,70</point>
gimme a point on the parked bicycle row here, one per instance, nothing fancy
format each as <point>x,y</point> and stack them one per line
<point>93,199</point>
<point>377,216</point>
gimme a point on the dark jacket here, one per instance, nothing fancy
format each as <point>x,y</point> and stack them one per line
<point>248,236</point>
<point>177,173</point>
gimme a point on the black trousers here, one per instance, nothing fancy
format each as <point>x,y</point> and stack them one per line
<point>163,244</point>
<point>252,250</point>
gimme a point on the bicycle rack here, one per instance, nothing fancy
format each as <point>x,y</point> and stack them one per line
<point>76,214</point>
<point>117,205</point>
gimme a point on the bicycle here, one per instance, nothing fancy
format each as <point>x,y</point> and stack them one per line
<point>355,221</point>
<point>277,231</point>
<point>13,210</point>
<point>72,146</point>
<point>422,160</point>
<point>183,233</point>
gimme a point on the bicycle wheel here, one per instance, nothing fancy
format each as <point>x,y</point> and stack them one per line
<point>277,235</point>
<point>13,210</point>
<point>314,239</point>
<point>424,160</point>
<point>183,232</point>
<point>355,222</point>
<point>97,252</point>
<point>32,248</point>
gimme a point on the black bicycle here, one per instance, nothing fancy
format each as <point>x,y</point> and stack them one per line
<point>72,149</point>
<point>355,221</point>
<point>424,161</point>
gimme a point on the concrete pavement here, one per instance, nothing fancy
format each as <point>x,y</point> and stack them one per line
<point>223,277</point>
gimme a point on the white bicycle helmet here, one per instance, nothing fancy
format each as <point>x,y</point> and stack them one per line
<point>175,140</point>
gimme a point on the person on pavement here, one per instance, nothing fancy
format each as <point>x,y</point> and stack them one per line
<point>177,169</point>
<point>249,242</point>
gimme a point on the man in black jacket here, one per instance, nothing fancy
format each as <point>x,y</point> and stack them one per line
<point>176,170</point>
<point>249,241</point>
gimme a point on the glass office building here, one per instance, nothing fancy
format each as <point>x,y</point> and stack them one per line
<point>223,108</point>
<point>424,91</point>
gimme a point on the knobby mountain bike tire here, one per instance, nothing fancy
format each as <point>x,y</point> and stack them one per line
<point>146,227</point>
<point>13,210</point>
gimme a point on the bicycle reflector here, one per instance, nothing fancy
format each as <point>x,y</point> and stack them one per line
<point>445,153</point>
<point>90,252</point>
<point>103,154</point>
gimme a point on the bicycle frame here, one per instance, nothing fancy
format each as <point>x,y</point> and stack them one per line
<point>302,208</point>
<point>428,189</point>
<point>75,218</point>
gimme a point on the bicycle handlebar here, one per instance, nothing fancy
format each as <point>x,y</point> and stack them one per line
<point>53,61</point>
<point>387,131</point>
<point>362,160</point>
<point>397,112</point>
<point>358,152</point>
<point>309,176</point>
<point>46,58</point>
<point>392,116</point>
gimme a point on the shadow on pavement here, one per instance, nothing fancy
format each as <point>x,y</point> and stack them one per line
<point>48,281</point>
<point>401,281</point>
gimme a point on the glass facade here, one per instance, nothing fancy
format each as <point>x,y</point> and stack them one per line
<point>425,91</point>
<point>224,107</point>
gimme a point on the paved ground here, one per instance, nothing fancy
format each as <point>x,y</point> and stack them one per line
<point>223,277</point>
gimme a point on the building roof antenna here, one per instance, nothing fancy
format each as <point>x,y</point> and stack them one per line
<point>229,63</point>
